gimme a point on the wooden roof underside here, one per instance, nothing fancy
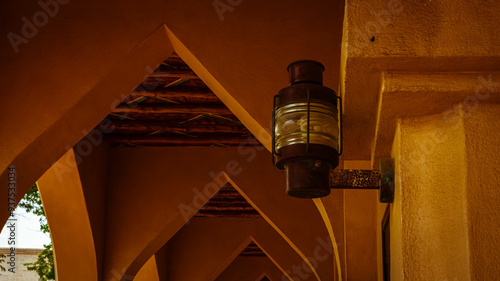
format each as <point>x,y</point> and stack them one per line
<point>173,107</point>
<point>228,203</point>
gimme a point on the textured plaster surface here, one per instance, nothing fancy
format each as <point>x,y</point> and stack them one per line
<point>408,36</point>
<point>429,223</point>
<point>482,141</point>
<point>410,94</point>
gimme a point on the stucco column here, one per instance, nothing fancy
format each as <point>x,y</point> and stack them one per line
<point>445,219</point>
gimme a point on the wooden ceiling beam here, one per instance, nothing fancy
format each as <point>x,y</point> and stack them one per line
<point>176,96</point>
<point>232,207</point>
<point>227,214</point>
<point>161,82</point>
<point>174,108</point>
<point>174,72</point>
<point>175,119</point>
<point>180,141</point>
<point>252,250</point>
<point>173,92</point>
<point>229,199</point>
<point>141,127</point>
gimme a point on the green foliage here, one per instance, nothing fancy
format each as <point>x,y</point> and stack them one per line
<point>32,203</point>
<point>44,266</point>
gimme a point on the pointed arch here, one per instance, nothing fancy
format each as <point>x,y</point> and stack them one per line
<point>67,216</point>
<point>172,189</point>
<point>214,243</point>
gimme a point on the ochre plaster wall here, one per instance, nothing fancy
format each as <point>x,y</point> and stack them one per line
<point>429,217</point>
<point>445,218</point>
<point>482,144</point>
<point>412,36</point>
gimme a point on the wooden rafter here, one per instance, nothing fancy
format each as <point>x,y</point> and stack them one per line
<point>194,96</point>
<point>169,109</point>
<point>174,72</point>
<point>252,250</point>
<point>177,140</point>
<point>228,203</point>
<point>142,127</point>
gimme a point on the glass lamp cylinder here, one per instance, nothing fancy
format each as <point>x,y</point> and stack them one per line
<point>306,131</point>
<point>292,121</point>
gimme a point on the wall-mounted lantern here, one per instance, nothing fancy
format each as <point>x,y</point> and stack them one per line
<point>307,133</point>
